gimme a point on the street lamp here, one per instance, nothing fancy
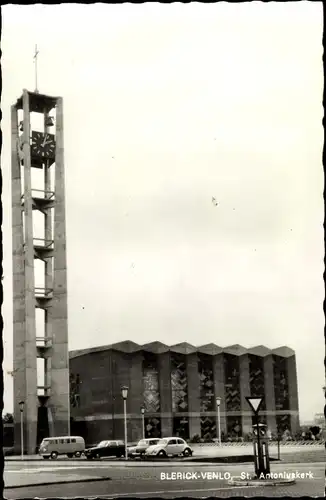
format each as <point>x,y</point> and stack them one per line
<point>218,403</point>
<point>142,409</point>
<point>21,407</point>
<point>124,392</point>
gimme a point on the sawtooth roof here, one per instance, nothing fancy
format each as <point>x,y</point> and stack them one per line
<point>130,347</point>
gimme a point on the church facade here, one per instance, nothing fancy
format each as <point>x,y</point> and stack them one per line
<point>178,386</point>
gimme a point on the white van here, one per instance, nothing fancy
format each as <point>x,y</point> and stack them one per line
<point>72,446</point>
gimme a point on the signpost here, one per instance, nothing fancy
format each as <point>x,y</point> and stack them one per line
<point>260,439</point>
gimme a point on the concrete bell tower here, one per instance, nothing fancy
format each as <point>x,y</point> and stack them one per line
<point>46,405</point>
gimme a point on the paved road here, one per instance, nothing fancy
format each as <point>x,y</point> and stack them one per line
<point>145,480</point>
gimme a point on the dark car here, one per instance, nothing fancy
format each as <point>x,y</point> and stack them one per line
<point>106,449</point>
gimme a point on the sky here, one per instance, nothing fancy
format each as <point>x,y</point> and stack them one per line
<point>166,107</point>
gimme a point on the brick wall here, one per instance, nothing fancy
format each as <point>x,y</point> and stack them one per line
<point>102,375</point>
<point>95,387</point>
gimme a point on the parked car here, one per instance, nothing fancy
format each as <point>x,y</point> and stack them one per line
<point>169,446</point>
<point>141,447</point>
<point>72,446</point>
<point>106,449</point>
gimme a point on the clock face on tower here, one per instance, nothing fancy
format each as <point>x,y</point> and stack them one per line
<point>43,145</point>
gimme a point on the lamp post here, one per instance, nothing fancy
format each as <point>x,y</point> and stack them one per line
<point>21,407</point>
<point>124,392</point>
<point>143,420</point>
<point>218,403</point>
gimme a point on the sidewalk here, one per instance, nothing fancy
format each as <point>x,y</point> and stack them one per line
<point>17,458</point>
<point>270,443</point>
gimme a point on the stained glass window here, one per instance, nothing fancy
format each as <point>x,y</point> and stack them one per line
<point>232,383</point>
<point>179,383</point>
<point>256,378</point>
<point>151,384</point>
<point>283,424</point>
<point>181,427</point>
<point>281,386</point>
<point>74,383</point>
<point>234,427</point>
<point>208,428</point>
<point>152,427</point>
<point>206,377</point>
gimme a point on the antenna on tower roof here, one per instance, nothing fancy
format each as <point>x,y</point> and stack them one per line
<point>35,62</point>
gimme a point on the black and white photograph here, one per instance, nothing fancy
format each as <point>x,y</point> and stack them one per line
<point>163,250</point>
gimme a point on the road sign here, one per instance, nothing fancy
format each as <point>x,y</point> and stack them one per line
<point>254,403</point>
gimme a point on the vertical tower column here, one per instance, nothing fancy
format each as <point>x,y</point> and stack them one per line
<point>193,394</point>
<point>59,401</point>
<point>165,393</point>
<point>19,305</point>
<point>269,392</point>
<point>244,392</point>
<point>219,386</point>
<point>136,396</point>
<point>48,264</point>
<point>31,402</point>
<point>293,393</point>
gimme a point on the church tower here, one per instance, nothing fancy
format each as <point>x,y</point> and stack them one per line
<point>39,344</point>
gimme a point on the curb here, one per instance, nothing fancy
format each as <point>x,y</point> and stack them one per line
<point>161,463</point>
<point>179,464</point>
<point>261,482</point>
<point>168,464</point>
<point>8,460</point>
<point>48,483</point>
<point>196,460</point>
